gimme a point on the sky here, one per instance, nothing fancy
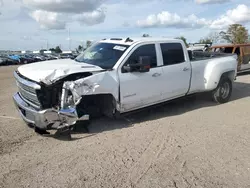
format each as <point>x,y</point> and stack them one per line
<point>36,24</point>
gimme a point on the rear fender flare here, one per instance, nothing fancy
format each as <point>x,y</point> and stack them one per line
<point>216,69</point>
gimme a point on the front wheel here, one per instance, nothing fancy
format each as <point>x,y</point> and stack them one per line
<point>223,91</point>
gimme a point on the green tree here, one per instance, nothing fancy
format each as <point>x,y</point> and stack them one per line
<point>236,34</point>
<point>145,35</point>
<point>184,40</point>
<point>58,50</point>
<point>52,49</point>
<point>205,40</point>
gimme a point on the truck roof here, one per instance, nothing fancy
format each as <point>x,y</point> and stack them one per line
<point>130,41</point>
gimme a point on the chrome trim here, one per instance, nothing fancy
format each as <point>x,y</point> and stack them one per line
<point>20,104</point>
<point>30,103</point>
<point>29,97</point>
<point>27,90</point>
<point>26,82</point>
<point>25,87</point>
<point>49,118</point>
<point>29,93</point>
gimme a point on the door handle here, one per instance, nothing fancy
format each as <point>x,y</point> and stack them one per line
<point>185,69</point>
<point>156,74</point>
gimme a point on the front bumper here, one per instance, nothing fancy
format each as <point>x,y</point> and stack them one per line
<point>47,119</point>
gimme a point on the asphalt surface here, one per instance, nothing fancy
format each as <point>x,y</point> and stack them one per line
<point>187,143</point>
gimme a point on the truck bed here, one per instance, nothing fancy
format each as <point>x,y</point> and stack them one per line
<point>198,56</point>
<point>214,63</point>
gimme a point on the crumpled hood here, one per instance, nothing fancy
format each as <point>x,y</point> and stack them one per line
<point>51,71</point>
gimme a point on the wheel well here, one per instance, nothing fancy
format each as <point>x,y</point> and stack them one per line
<point>97,105</point>
<point>229,74</point>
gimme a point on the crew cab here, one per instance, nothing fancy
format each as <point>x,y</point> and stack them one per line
<point>115,76</point>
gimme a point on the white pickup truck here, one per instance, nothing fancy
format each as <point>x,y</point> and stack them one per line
<point>115,76</point>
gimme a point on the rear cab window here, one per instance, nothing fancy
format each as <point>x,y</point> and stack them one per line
<point>172,53</point>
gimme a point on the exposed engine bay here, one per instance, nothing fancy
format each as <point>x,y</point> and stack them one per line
<point>69,99</point>
<point>50,95</point>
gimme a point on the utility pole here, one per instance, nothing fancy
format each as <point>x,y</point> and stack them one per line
<point>69,40</point>
<point>47,44</point>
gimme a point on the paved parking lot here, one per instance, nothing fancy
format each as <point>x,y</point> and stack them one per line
<point>187,143</point>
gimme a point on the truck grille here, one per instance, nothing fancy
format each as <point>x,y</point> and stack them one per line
<point>27,90</point>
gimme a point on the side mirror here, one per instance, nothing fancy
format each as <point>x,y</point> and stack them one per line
<point>127,68</point>
<point>142,65</point>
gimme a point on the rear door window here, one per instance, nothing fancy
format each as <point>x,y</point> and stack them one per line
<point>172,53</point>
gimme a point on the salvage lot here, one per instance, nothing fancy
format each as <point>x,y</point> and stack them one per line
<point>187,143</point>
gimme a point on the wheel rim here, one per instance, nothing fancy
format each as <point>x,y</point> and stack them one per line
<point>225,90</point>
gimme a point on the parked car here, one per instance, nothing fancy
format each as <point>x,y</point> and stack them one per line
<point>2,61</point>
<point>26,59</point>
<point>31,56</point>
<point>115,77</point>
<point>66,56</point>
<point>5,60</point>
<point>74,56</point>
<point>199,47</point>
<point>39,57</point>
<point>15,57</point>
<point>20,58</point>
<point>52,57</point>
<point>241,50</point>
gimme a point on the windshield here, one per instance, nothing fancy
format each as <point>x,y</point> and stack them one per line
<point>104,55</point>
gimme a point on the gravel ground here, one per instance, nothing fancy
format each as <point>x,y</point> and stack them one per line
<point>187,143</point>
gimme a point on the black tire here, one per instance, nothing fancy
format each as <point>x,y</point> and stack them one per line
<point>223,91</point>
<point>82,126</point>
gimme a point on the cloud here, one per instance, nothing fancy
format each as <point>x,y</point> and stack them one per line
<point>210,1</point>
<point>26,38</point>
<point>167,19</point>
<point>91,18</point>
<point>54,14</point>
<point>48,20</point>
<point>241,14</point>
<point>64,6</point>
<point>126,24</point>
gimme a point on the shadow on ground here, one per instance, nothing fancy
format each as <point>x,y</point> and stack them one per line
<point>173,108</point>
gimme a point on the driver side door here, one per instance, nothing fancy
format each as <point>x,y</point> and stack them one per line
<point>140,89</point>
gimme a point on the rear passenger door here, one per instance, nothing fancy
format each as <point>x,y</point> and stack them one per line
<point>176,70</point>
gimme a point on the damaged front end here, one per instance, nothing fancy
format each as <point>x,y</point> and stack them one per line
<point>47,106</point>
<point>63,119</point>
<point>60,104</point>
